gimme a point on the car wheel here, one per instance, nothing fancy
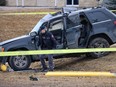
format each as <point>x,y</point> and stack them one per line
<point>18,63</point>
<point>98,43</point>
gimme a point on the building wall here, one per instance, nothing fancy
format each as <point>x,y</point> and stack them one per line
<point>30,2</point>
<point>11,2</point>
<point>88,3</point>
<point>51,3</point>
<point>61,3</point>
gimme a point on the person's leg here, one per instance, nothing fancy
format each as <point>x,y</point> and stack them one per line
<point>50,62</point>
<point>41,57</point>
<point>81,43</point>
<point>83,40</point>
<point>86,39</point>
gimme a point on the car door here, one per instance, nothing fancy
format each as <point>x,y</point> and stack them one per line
<point>73,30</point>
<point>56,26</point>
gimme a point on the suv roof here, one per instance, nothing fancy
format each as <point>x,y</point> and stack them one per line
<point>72,10</point>
<point>87,10</point>
<point>69,11</point>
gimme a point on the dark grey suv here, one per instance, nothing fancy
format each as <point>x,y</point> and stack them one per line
<point>66,28</point>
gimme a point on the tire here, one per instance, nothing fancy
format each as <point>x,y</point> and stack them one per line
<point>18,63</point>
<point>98,43</point>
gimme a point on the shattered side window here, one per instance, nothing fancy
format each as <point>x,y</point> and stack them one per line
<point>73,21</point>
<point>55,25</point>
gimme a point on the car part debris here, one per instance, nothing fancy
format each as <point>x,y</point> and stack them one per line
<point>32,78</point>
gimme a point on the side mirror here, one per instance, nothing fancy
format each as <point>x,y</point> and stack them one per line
<point>33,34</point>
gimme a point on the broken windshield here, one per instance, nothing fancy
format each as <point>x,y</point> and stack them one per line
<point>41,22</point>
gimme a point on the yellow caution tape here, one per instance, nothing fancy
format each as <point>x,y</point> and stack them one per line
<point>33,13</point>
<point>27,13</point>
<point>80,73</point>
<point>60,51</point>
<point>113,10</point>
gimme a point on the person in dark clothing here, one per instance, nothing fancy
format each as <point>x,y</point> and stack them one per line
<point>84,31</point>
<point>47,42</point>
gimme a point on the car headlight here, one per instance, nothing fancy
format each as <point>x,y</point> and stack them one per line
<point>1,49</point>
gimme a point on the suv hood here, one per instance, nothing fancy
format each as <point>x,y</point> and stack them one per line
<point>14,39</point>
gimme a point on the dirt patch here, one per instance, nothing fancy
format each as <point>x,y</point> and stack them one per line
<point>21,79</point>
<point>106,63</point>
<point>17,25</point>
<point>13,26</point>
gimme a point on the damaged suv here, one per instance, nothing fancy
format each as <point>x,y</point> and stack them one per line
<point>66,27</point>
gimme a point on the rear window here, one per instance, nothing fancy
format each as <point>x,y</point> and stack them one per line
<point>98,16</point>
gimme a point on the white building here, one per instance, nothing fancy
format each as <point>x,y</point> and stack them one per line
<point>54,3</point>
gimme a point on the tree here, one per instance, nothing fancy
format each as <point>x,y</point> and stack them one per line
<point>111,4</point>
<point>2,2</point>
